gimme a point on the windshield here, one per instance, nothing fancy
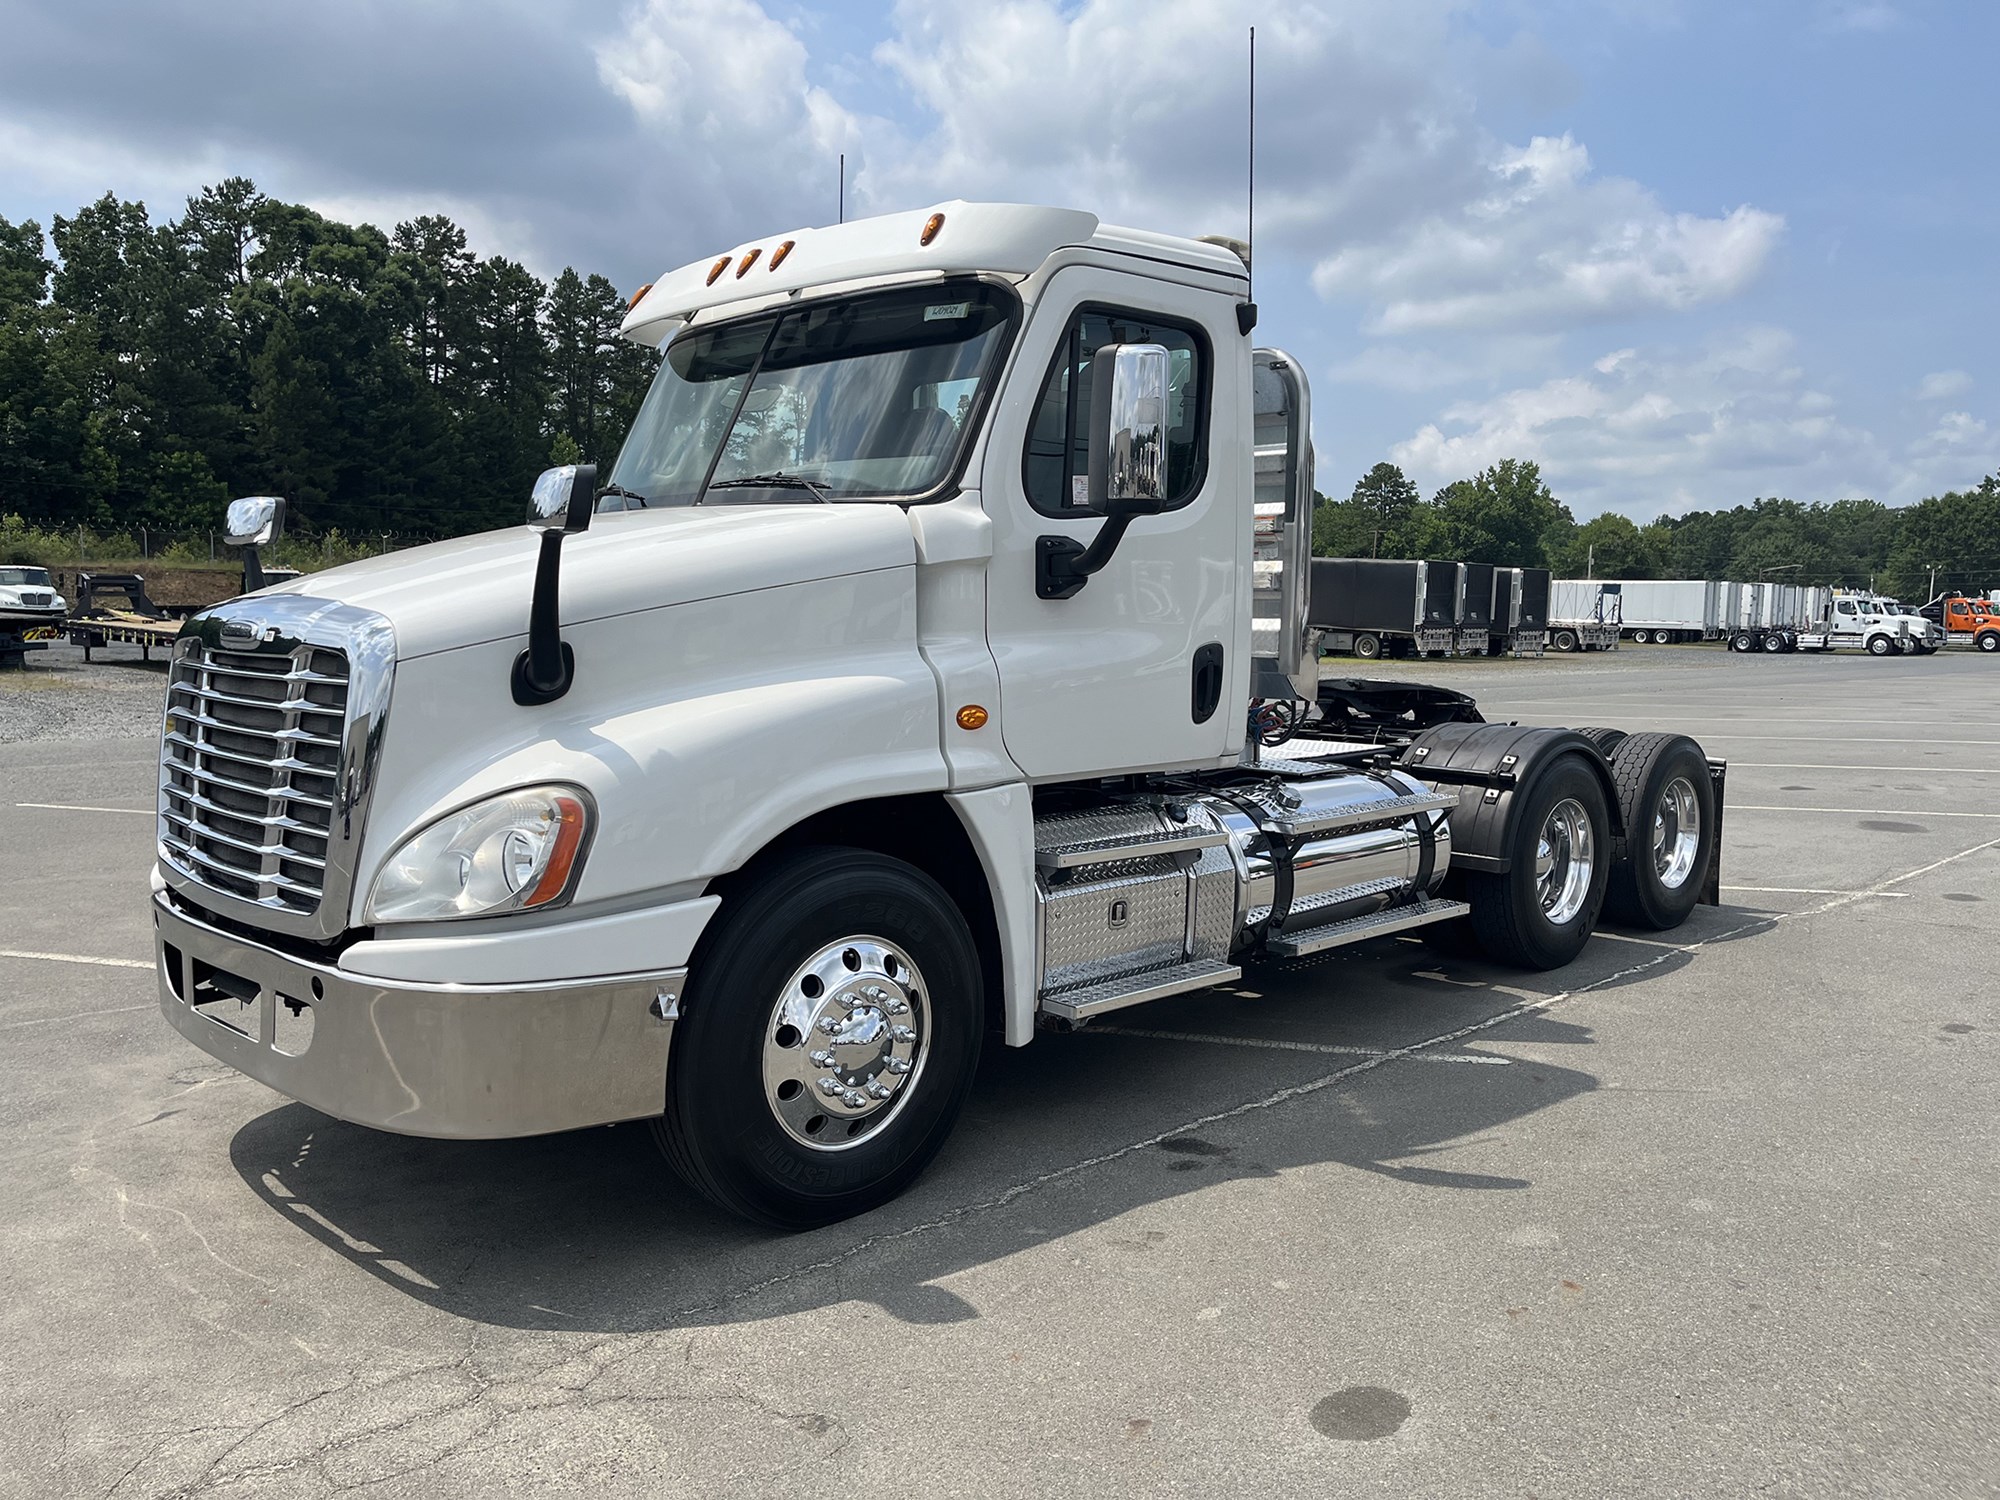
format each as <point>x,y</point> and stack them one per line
<point>864,398</point>
<point>32,577</point>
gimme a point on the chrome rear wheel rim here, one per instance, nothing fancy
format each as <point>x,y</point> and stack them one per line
<point>1565,858</point>
<point>845,1042</point>
<point>1676,833</point>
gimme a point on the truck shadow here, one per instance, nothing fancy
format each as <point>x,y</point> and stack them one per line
<point>590,1231</point>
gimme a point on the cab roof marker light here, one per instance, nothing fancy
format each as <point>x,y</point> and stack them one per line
<point>778,255</point>
<point>636,296</point>
<point>931,227</point>
<point>749,260</point>
<point>715,271</point>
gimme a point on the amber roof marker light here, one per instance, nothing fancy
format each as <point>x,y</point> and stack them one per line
<point>778,255</point>
<point>749,260</point>
<point>931,227</point>
<point>637,295</point>
<point>715,271</point>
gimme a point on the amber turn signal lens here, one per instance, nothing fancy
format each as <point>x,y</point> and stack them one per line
<point>749,260</point>
<point>972,716</point>
<point>570,824</point>
<point>931,227</point>
<point>715,271</point>
<point>637,295</point>
<point>778,255</point>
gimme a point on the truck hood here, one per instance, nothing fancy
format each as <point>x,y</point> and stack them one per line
<point>476,588</point>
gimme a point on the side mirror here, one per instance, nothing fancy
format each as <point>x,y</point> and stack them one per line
<point>1128,430</point>
<point>562,499</point>
<point>254,520</point>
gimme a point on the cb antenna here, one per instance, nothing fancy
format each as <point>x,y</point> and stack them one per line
<point>842,209</point>
<point>1246,314</point>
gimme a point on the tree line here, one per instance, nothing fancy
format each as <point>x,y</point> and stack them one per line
<point>381,382</point>
<point>1507,514</point>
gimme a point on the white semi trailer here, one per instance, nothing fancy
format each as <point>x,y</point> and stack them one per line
<point>912,693</point>
<point>1670,611</point>
<point>1585,614</point>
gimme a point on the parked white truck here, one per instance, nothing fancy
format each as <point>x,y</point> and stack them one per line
<point>923,685</point>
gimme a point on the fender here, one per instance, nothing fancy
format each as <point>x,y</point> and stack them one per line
<point>1000,821</point>
<point>1484,823</point>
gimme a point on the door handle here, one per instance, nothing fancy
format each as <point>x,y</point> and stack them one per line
<point>1207,686</point>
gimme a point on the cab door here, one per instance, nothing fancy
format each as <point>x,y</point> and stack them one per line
<point>1146,666</point>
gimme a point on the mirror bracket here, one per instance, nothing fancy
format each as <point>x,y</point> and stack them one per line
<point>562,503</point>
<point>1063,565</point>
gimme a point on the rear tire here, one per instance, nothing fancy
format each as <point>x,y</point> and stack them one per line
<point>1564,640</point>
<point>1742,641</point>
<point>1368,647</point>
<point>1666,802</point>
<point>1542,911</point>
<point>1606,740</point>
<point>874,946</point>
<point>1773,644</point>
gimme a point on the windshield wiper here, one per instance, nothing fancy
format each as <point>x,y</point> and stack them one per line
<point>775,482</point>
<point>622,493</point>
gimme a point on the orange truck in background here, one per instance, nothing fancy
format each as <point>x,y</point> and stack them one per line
<point>1966,622</point>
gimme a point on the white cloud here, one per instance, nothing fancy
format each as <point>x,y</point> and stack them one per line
<point>1645,432</point>
<point>1943,385</point>
<point>1546,244</point>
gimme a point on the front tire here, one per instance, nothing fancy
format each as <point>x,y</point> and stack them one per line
<point>1880,645</point>
<point>1666,800</point>
<point>1990,641</point>
<point>1542,911</point>
<point>827,1042</point>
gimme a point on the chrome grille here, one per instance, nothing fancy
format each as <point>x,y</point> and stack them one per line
<point>275,712</point>
<point>250,770</point>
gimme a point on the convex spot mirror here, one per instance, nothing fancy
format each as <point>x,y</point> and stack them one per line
<point>563,498</point>
<point>254,520</point>
<point>1128,430</point>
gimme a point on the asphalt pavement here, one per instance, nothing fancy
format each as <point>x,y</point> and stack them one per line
<point>1706,1213</point>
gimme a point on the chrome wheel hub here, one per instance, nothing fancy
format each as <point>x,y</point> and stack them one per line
<point>1676,833</point>
<point>1564,860</point>
<point>845,1043</point>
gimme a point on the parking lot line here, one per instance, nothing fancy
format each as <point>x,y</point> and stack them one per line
<point>1279,1046</point>
<point>1850,739</point>
<point>77,1015</point>
<point>1807,890</point>
<point>75,958</point>
<point>1820,765</point>
<point>144,812</point>
<point>1862,812</point>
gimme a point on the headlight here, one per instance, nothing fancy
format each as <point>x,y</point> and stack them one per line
<point>518,850</point>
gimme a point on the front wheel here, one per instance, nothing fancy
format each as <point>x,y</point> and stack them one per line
<point>827,1042</point>
<point>1542,911</point>
<point>1990,641</point>
<point>1880,645</point>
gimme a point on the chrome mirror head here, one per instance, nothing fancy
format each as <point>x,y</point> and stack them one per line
<point>1128,430</point>
<point>563,497</point>
<point>254,520</point>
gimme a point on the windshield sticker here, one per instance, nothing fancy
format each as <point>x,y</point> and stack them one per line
<point>938,311</point>
<point>1079,489</point>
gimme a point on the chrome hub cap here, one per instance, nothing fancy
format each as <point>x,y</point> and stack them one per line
<point>1564,859</point>
<point>1676,833</point>
<point>846,1041</point>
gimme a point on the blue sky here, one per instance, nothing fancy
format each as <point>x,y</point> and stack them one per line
<point>1681,253</point>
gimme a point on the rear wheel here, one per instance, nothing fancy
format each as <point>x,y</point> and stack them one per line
<point>1368,646</point>
<point>1742,641</point>
<point>1606,740</point>
<point>1774,643</point>
<point>1541,912</point>
<point>1667,803</point>
<point>827,1042</point>
<point>1564,640</point>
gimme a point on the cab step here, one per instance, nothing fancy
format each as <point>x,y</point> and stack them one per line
<point>1127,846</point>
<point>1087,1000</point>
<point>1359,929</point>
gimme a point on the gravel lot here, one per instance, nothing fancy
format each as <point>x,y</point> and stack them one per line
<point>1709,1215</point>
<point>58,695</point>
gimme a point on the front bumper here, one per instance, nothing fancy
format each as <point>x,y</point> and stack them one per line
<point>457,1061</point>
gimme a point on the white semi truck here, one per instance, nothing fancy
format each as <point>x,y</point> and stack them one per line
<point>946,670</point>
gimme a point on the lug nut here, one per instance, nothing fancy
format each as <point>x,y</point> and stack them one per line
<point>897,1007</point>
<point>821,1059</point>
<point>854,1099</point>
<point>828,1025</point>
<point>829,1086</point>
<point>903,1034</point>
<point>880,1090</point>
<point>897,1065</point>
